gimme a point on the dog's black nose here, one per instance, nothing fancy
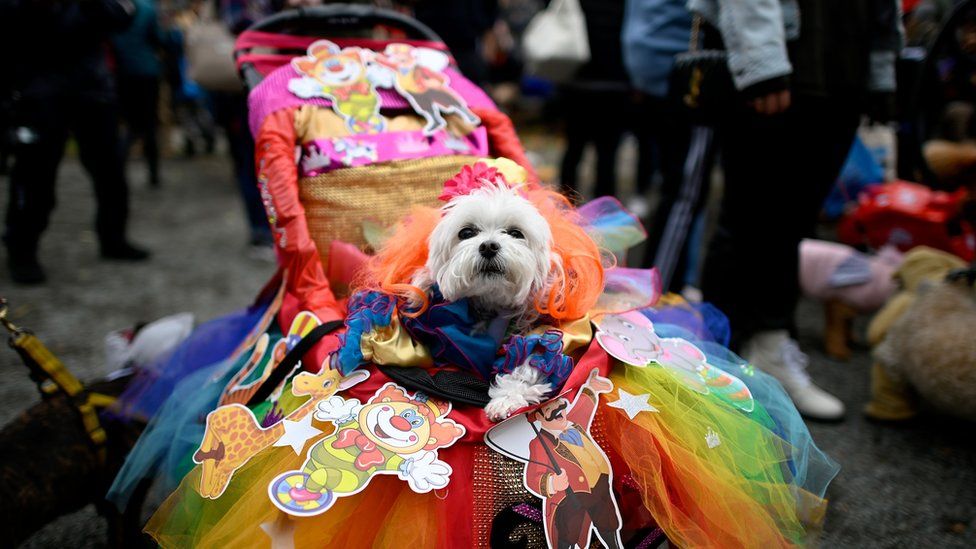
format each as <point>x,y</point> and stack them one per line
<point>488,249</point>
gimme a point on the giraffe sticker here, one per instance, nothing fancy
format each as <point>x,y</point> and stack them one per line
<point>233,436</point>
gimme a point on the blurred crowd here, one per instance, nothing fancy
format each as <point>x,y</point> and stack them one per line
<point>774,99</point>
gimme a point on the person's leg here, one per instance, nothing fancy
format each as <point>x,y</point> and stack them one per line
<point>576,139</point>
<point>777,173</point>
<point>607,142</point>
<point>688,200</point>
<point>128,113</point>
<point>690,266</point>
<point>139,105</point>
<point>95,126</point>
<point>231,113</point>
<point>820,135</point>
<point>32,182</point>
<point>607,131</point>
<point>740,258</point>
<point>150,140</point>
<point>643,124</point>
<point>681,177</point>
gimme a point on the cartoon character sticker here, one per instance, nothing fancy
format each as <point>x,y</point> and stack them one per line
<point>340,75</point>
<point>247,381</point>
<point>417,74</point>
<point>394,433</point>
<point>630,338</point>
<point>565,467</point>
<point>353,150</point>
<point>233,436</point>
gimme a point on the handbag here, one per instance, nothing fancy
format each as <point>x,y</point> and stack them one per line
<point>700,80</point>
<point>210,53</point>
<point>555,44</point>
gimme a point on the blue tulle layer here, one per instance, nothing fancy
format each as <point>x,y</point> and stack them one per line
<point>210,342</point>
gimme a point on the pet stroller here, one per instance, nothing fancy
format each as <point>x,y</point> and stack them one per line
<point>351,133</point>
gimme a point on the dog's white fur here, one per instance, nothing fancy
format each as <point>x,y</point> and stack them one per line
<point>505,285</point>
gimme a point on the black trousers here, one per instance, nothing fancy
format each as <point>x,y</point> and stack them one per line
<point>684,157</point>
<point>778,171</point>
<point>596,507</point>
<point>94,125</point>
<point>230,112</point>
<point>598,116</point>
<point>139,102</point>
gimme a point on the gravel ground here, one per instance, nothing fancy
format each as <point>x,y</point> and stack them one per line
<point>903,486</point>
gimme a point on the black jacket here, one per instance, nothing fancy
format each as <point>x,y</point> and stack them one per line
<point>57,48</point>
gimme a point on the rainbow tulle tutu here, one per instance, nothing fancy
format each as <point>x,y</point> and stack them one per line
<point>685,442</point>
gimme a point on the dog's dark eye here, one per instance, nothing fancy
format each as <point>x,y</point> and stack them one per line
<point>515,233</point>
<point>467,232</point>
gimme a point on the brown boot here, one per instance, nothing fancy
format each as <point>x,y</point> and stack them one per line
<point>891,400</point>
<point>837,329</point>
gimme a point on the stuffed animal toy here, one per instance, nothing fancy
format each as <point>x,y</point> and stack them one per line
<point>922,341</point>
<point>848,283</point>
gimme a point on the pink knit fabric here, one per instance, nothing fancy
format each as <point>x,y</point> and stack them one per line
<point>819,260</point>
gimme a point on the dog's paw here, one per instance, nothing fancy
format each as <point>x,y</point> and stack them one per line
<point>522,387</point>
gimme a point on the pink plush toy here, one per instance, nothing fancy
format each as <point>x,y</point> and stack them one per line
<point>848,282</point>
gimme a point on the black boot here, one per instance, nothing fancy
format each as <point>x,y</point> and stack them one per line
<point>123,251</point>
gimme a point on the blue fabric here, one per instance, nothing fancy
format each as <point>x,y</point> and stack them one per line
<point>703,320</point>
<point>210,342</point>
<point>654,32</point>
<point>135,48</point>
<point>544,352</point>
<point>448,330</point>
<point>860,170</point>
<point>853,271</point>
<point>365,310</point>
<point>164,450</point>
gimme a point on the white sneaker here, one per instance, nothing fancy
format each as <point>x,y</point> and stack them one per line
<point>692,294</point>
<point>775,353</point>
<point>639,206</point>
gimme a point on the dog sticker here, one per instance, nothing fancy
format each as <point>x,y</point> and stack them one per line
<point>417,74</point>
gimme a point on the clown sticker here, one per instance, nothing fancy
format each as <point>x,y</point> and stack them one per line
<point>418,76</point>
<point>394,433</point>
<point>630,338</point>
<point>340,75</point>
<point>565,467</point>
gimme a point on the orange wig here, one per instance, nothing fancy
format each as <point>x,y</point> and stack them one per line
<point>576,277</point>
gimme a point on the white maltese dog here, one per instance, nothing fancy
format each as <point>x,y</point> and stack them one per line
<point>493,247</point>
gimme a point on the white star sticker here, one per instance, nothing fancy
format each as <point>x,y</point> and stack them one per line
<point>281,532</point>
<point>297,433</point>
<point>711,439</point>
<point>633,404</point>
